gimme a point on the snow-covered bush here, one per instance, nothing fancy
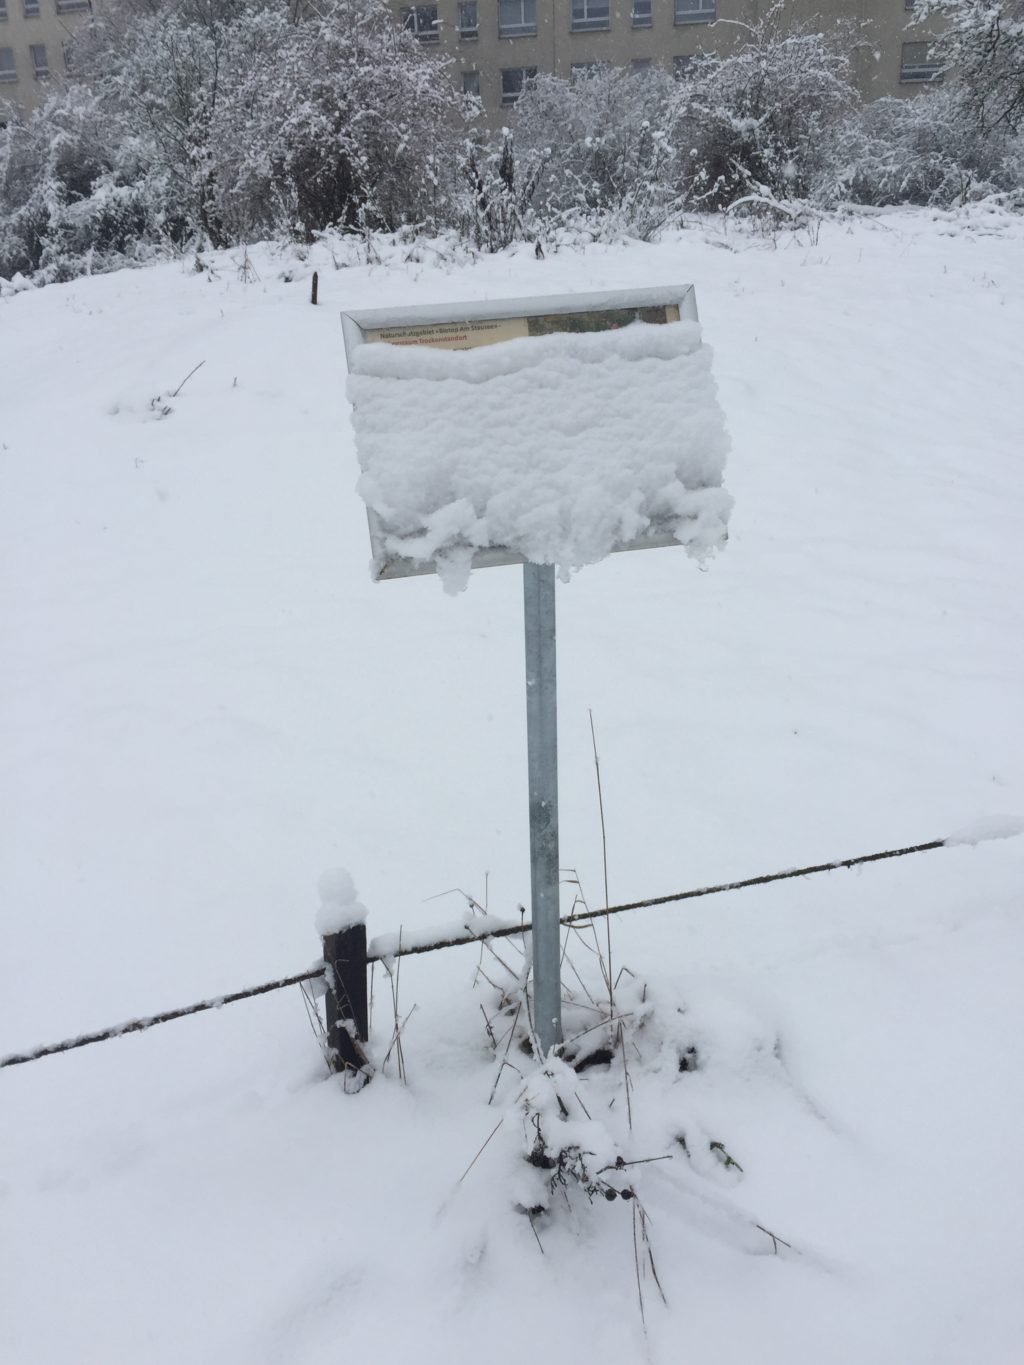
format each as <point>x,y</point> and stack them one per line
<point>927,150</point>
<point>338,120</point>
<point>262,124</point>
<point>493,205</point>
<point>608,140</point>
<point>634,150</point>
<point>223,120</point>
<point>76,192</point>
<point>762,121</point>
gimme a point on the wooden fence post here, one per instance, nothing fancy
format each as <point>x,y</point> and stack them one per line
<point>348,1025</point>
<point>312,292</point>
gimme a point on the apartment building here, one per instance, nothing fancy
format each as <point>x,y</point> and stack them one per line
<point>496,46</point>
<point>32,38</point>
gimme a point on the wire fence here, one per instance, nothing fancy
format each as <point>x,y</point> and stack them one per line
<point>384,950</point>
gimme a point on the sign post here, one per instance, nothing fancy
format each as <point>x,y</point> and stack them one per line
<point>542,762</point>
<point>567,429</point>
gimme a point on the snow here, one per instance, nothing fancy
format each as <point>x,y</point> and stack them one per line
<point>558,448</point>
<point>204,700</point>
<point>991,827</point>
<point>472,925</point>
<point>340,906</point>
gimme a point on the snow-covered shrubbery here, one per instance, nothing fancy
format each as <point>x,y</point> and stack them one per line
<point>762,122</point>
<point>636,149</point>
<point>610,146</point>
<point>338,120</point>
<point>77,192</point>
<point>226,121</point>
<point>493,203</point>
<point>928,150</point>
<point>223,121</point>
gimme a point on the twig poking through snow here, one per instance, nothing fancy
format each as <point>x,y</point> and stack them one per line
<point>191,372</point>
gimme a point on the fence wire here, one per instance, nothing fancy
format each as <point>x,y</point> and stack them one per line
<point>455,941</point>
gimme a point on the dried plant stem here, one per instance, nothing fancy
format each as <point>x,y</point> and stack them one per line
<point>636,1266</point>
<point>487,1026</point>
<point>191,372</point>
<point>315,1022</point>
<point>776,1241</point>
<point>625,1073</point>
<point>396,1037</point>
<point>604,860</point>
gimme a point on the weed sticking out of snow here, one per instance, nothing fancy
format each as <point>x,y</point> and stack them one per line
<point>635,1098</point>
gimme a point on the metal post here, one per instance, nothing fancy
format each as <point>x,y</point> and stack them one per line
<point>542,751</point>
<point>348,1025</point>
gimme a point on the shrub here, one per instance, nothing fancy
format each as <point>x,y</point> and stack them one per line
<point>74,193</point>
<point>927,150</point>
<point>763,121</point>
<point>609,145</point>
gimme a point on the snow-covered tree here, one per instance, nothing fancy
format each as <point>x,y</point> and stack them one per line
<point>981,47</point>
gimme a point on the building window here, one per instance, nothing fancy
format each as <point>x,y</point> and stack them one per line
<point>421,22</point>
<point>590,14</point>
<point>40,66</point>
<point>517,19</point>
<point>469,24</point>
<point>3,9</point>
<point>514,80</point>
<point>471,83</point>
<point>8,71</point>
<point>642,14</point>
<point>72,6</point>
<point>31,9</point>
<point>917,64</point>
<point>639,65</point>
<point>695,11</point>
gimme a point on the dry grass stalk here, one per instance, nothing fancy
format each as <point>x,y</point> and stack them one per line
<point>604,861</point>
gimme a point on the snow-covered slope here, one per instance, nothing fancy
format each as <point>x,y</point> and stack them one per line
<point>205,701</point>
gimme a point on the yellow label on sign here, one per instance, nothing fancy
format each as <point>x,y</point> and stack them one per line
<point>465,336</point>
<point>452,336</point>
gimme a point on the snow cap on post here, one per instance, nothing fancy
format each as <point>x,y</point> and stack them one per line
<point>340,907</point>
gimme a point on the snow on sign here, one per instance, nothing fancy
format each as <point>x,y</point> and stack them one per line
<point>546,431</point>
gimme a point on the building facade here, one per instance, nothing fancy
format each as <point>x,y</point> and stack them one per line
<point>32,38</point>
<point>496,46</point>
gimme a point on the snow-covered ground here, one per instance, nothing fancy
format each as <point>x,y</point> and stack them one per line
<point>205,701</point>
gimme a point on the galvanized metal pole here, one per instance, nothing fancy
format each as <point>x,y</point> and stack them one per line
<point>542,753</point>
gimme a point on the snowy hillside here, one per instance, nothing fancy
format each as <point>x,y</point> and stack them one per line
<point>205,701</point>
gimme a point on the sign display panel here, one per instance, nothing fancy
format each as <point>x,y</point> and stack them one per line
<point>551,430</point>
